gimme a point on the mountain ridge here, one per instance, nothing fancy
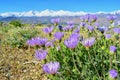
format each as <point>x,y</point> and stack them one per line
<point>53,13</point>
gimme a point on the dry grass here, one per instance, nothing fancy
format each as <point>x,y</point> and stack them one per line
<point>19,64</point>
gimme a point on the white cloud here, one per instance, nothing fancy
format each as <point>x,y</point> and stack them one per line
<point>51,13</point>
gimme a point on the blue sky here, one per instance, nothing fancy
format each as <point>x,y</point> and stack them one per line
<point>69,5</point>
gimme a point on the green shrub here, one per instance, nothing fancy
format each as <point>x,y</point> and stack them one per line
<point>16,23</point>
<point>1,23</point>
<point>17,37</point>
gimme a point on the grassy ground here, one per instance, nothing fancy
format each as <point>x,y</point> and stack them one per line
<point>18,63</point>
<point>17,58</point>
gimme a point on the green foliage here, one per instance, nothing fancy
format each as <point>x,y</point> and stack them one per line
<point>5,29</point>
<point>17,37</point>
<point>16,23</point>
<point>1,24</point>
<point>81,63</point>
<point>84,63</point>
<point>39,24</point>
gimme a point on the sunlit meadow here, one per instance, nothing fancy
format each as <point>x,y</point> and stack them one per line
<point>84,51</point>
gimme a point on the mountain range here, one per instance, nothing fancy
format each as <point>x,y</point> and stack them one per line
<point>46,15</point>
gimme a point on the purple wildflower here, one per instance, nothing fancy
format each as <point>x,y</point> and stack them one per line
<point>48,30</point>
<point>118,23</point>
<point>76,31</point>
<point>75,35</point>
<point>58,35</point>
<point>93,18</point>
<point>55,20</point>
<point>53,40</point>
<point>105,28</point>
<point>90,28</point>
<point>89,42</point>
<point>112,49</point>
<point>102,29</point>
<point>37,41</point>
<point>49,44</point>
<point>42,41</point>
<point>66,28</point>
<point>70,27</point>
<point>87,17</point>
<point>82,24</point>
<point>107,36</point>
<point>31,42</point>
<point>96,25</point>
<point>40,54</point>
<point>70,23</point>
<point>60,28</point>
<point>82,18</point>
<point>111,18</point>
<point>71,42</point>
<point>34,41</point>
<point>51,68</point>
<point>116,30</point>
<point>113,73</point>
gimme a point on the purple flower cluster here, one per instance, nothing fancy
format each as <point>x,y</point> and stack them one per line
<point>116,30</point>
<point>49,44</point>
<point>82,18</point>
<point>96,25</point>
<point>111,18</point>
<point>66,28</point>
<point>112,49</point>
<point>42,41</point>
<point>58,35</point>
<point>51,68</point>
<point>55,21</point>
<point>107,36</point>
<point>70,25</point>
<point>72,42</point>
<point>82,24</point>
<point>88,18</point>
<point>37,41</point>
<point>48,30</point>
<point>113,73</point>
<point>102,29</point>
<point>90,28</point>
<point>93,18</point>
<point>76,31</point>
<point>33,41</point>
<point>118,23</point>
<point>40,54</point>
<point>74,35</point>
<point>89,42</point>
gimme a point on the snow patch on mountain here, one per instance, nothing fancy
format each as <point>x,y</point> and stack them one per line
<point>52,13</point>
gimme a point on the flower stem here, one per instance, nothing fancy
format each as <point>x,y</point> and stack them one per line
<point>93,65</point>
<point>75,64</point>
<point>110,66</point>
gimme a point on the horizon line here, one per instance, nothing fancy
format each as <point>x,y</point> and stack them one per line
<point>48,12</point>
<point>62,10</point>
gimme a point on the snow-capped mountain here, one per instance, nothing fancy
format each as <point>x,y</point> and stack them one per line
<point>52,13</point>
<point>46,16</point>
<point>42,13</point>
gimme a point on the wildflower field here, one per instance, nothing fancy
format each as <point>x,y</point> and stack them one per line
<point>61,52</point>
